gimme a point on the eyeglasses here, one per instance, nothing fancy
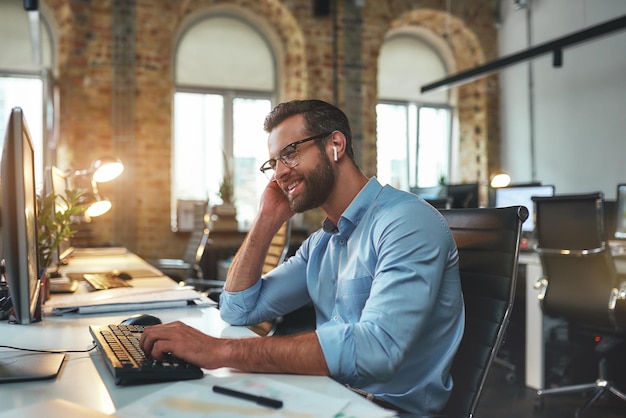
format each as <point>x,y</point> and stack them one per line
<point>288,155</point>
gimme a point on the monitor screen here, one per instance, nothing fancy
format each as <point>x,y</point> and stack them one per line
<point>620,222</point>
<point>18,208</point>
<point>522,195</point>
<point>463,195</point>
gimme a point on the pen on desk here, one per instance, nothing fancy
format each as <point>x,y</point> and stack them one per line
<point>261,400</point>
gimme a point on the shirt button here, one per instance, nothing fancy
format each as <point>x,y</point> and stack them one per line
<point>335,318</point>
<point>341,242</point>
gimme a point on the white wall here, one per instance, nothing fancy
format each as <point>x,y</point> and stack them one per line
<point>578,123</point>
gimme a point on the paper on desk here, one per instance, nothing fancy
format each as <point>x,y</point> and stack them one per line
<point>190,400</point>
<point>125,298</point>
<point>54,408</point>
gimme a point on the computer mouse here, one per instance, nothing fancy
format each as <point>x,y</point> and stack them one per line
<point>123,275</point>
<point>141,319</point>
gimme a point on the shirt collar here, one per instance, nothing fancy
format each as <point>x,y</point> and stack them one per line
<point>356,210</point>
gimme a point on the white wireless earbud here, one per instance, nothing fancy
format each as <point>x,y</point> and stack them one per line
<point>335,153</point>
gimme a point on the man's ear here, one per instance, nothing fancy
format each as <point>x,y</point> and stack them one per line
<point>338,142</point>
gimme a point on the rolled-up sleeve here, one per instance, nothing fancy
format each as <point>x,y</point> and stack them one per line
<point>280,291</point>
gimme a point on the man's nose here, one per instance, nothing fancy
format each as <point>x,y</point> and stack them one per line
<point>281,170</point>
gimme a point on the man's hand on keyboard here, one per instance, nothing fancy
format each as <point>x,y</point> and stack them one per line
<point>181,341</point>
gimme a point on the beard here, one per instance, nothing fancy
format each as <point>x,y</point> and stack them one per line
<point>318,185</point>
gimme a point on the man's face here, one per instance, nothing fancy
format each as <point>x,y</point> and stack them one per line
<point>308,184</point>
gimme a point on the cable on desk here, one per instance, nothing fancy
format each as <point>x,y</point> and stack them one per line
<point>48,351</point>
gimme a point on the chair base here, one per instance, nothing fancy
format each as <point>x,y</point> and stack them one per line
<point>600,387</point>
<point>511,375</point>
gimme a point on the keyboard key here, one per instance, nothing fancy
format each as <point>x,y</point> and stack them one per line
<point>102,281</point>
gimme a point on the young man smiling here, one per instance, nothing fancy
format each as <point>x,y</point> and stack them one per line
<point>381,273</point>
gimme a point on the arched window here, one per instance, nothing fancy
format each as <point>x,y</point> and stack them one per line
<point>225,83</point>
<point>413,131</point>
<point>25,50</point>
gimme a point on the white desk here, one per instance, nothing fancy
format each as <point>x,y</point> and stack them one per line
<point>534,351</point>
<point>85,380</point>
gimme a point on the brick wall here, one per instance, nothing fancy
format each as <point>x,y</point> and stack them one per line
<point>312,64</point>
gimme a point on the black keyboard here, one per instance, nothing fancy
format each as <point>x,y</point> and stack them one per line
<point>103,281</point>
<point>119,346</point>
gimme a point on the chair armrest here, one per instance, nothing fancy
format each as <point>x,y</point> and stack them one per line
<point>541,285</point>
<point>621,291</point>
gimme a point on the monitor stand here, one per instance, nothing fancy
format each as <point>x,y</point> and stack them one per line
<point>20,366</point>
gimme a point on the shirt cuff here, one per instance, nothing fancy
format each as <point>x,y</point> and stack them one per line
<point>235,306</point>
<point>338,349</point>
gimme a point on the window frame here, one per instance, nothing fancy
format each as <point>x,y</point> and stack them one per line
<point>229,96</point>
<point>413,178</point>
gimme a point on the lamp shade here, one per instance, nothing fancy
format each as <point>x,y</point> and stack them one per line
<point>94,204</point>
<point>107,169</point>
<point>500,179</point>
<point>98,207</point>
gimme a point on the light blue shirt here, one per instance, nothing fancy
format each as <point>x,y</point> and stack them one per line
<point>387,296</point>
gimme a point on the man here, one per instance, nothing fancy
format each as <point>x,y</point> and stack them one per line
<point>382,274</point>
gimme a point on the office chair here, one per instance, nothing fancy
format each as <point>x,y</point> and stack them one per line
<point>440,203</point>
<point>278,248</point>
<point>580,283</point>
<point>488,243</point>
<point>189,265</point>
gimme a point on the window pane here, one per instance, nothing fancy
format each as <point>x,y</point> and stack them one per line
<point>26,93</point>
<point>198,144</point>
<point>391,145</point>
<point>434,146</point>
<point>401,163</point>
<point>250,151</point>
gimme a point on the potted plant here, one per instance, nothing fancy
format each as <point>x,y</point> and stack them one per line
<point>226,191</point>
<point>224,216</point>
<point>55,217</point>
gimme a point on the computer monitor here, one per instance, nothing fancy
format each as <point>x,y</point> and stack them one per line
<point>620,221</point>
<point>463,195</point>
<point>18,207</point>
<point>522,195</point>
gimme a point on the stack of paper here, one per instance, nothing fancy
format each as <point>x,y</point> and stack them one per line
<point>124,299</point>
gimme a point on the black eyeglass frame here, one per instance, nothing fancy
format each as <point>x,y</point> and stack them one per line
<point>267,165</point>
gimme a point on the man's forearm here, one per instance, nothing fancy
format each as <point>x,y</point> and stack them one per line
<point>298,354</point>
<point>247,264</point>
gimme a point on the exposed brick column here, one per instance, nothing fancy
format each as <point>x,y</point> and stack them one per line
<point>123,120</point>
<point>353,70</point>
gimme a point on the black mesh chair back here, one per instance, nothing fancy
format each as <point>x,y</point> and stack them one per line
<point>578,269</point>
<point>570,222</point>
<point>580,283</point>
<point>488,243</point>
<point>440,203</point>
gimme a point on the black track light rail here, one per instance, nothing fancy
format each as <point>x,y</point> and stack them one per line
<point>555,47</point>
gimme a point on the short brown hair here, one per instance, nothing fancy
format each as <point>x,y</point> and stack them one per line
<point>318,115</point>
